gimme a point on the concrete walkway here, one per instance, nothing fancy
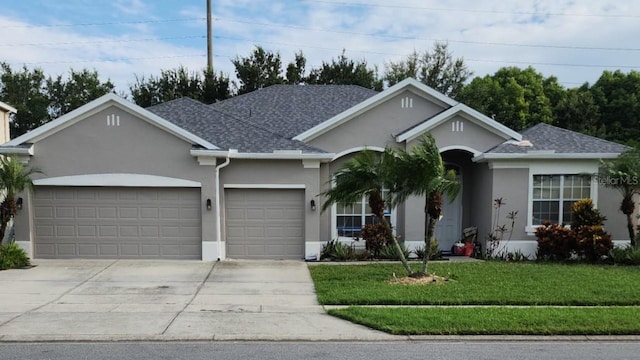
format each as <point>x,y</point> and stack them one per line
<point>105,300</point>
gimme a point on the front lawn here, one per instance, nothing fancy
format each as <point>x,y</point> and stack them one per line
<point>496,321</point>
<point>481,283</point>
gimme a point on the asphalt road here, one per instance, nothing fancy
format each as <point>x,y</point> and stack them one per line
<point>323,350</point>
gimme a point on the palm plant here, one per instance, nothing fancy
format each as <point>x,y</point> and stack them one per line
<point>428,178</point>
<point>419,172</point>
<point>14,178</point>
<point>623,174</point>
<point>368,174</point>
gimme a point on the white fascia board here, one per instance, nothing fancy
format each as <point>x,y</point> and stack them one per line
<point>14,150</point>
<point>264,186</point>
<point>371,102</point>
<point>126,180</point>
<point>277,155</point>
<point>99,104</point>
<point>543,155</point>
<point>7,108</point>
<point>467,112</point>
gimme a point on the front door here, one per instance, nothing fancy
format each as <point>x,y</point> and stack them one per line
<point>449,228</point>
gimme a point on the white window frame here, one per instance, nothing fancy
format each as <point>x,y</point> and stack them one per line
<point>334,220</point>
<point>559,168</point>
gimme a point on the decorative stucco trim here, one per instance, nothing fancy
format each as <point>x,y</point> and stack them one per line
<point>264,186</point>
<point>460,147</point>
<point>467,112</point>
<point>311,163</point>
<point>373,101</point>
<point>98,105</point>
<point>357,149</point>
<point>126,180</point>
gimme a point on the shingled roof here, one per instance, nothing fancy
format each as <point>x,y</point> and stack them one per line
<point>545,137</point>
<point>289,110</point>
<point>223,130</point>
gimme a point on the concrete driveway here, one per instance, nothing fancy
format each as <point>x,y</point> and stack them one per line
<point>166,300</point>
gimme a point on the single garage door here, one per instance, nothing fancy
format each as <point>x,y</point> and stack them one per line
<point>265,224</point>
<point>117,222</point>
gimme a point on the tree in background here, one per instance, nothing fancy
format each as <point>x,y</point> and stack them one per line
<point>296,70</point>
<point>514,97</point>
<point>617,96</point>
<point>578,111</point>
<point>436,68</point>
<point>345,71</point>
<point>40,100</point>
<point>78,89</point>
<point>260,69</point>
<point>206,87</point>
<point>24,90</point>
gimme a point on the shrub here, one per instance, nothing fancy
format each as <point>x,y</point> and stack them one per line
<point>584,214</point>
<point>389,252</point>
<point>593,243</point>
<point>375,237</point>
<point>336,250</point>
<point>434,251</point>
<point>13,256</point>
<point>555,242</point>
<point>626,255</point>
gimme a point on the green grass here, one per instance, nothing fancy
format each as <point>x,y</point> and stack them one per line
<point>497,321</point>
<point>482,283</point>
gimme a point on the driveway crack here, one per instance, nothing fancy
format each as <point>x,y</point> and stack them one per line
<point>190,300</point>
<point>62,295</point>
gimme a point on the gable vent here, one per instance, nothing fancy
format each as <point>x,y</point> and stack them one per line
<point>113,120</point>
<point>406,102</point>
<point>457,126</point>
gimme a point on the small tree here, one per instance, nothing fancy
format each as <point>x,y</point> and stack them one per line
<point>14,178</point>
<point>623,174</point>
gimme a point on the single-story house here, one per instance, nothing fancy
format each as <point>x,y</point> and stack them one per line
<point>241,178</point>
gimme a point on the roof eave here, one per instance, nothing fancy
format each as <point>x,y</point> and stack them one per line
<point>543,156</point>
<point>16,150</point>
<point>275,155</point>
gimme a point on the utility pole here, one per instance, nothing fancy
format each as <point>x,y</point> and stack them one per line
<point>209,38</point>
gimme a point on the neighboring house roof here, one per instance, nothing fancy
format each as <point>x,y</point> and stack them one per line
<point>96,105</point>
<point>224,130</point>
<point>548,141</point>
<point>406,84</point>
<point>458,110</point>
<point>7,108</point>
<point>289,110</point>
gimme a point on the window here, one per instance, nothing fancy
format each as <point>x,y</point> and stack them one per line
<point>350,218</point>
<point>553,196</point>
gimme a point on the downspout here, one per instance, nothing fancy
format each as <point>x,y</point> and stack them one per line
<point>218,217</point>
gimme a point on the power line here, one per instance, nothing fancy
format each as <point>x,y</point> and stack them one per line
<point>482,11</point>
<point>431,39</point>
<point>103,23</point>
<point>103,41</point>
<point>554,64</point>
<point>108,60</point>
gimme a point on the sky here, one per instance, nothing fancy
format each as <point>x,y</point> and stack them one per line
<point>574,40</point>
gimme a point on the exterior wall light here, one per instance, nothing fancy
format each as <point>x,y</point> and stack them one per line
<point>19,203</point>
<point>313,205</point>
<point>208,204</point>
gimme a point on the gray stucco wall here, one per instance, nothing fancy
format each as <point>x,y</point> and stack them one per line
<point>480,206</point>
<point>135,147</point>
<point>609,205</point>
<point>473,136</point>
<point>378,126</point>
<point>269,172</point>
<point>512,186</point>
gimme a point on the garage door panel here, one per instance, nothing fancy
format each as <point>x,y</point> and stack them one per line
<point>116,222</point>
<point>265,223</point>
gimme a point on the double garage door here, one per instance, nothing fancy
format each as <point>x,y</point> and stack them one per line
<point>265,223</point>
<point>117,222</point>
